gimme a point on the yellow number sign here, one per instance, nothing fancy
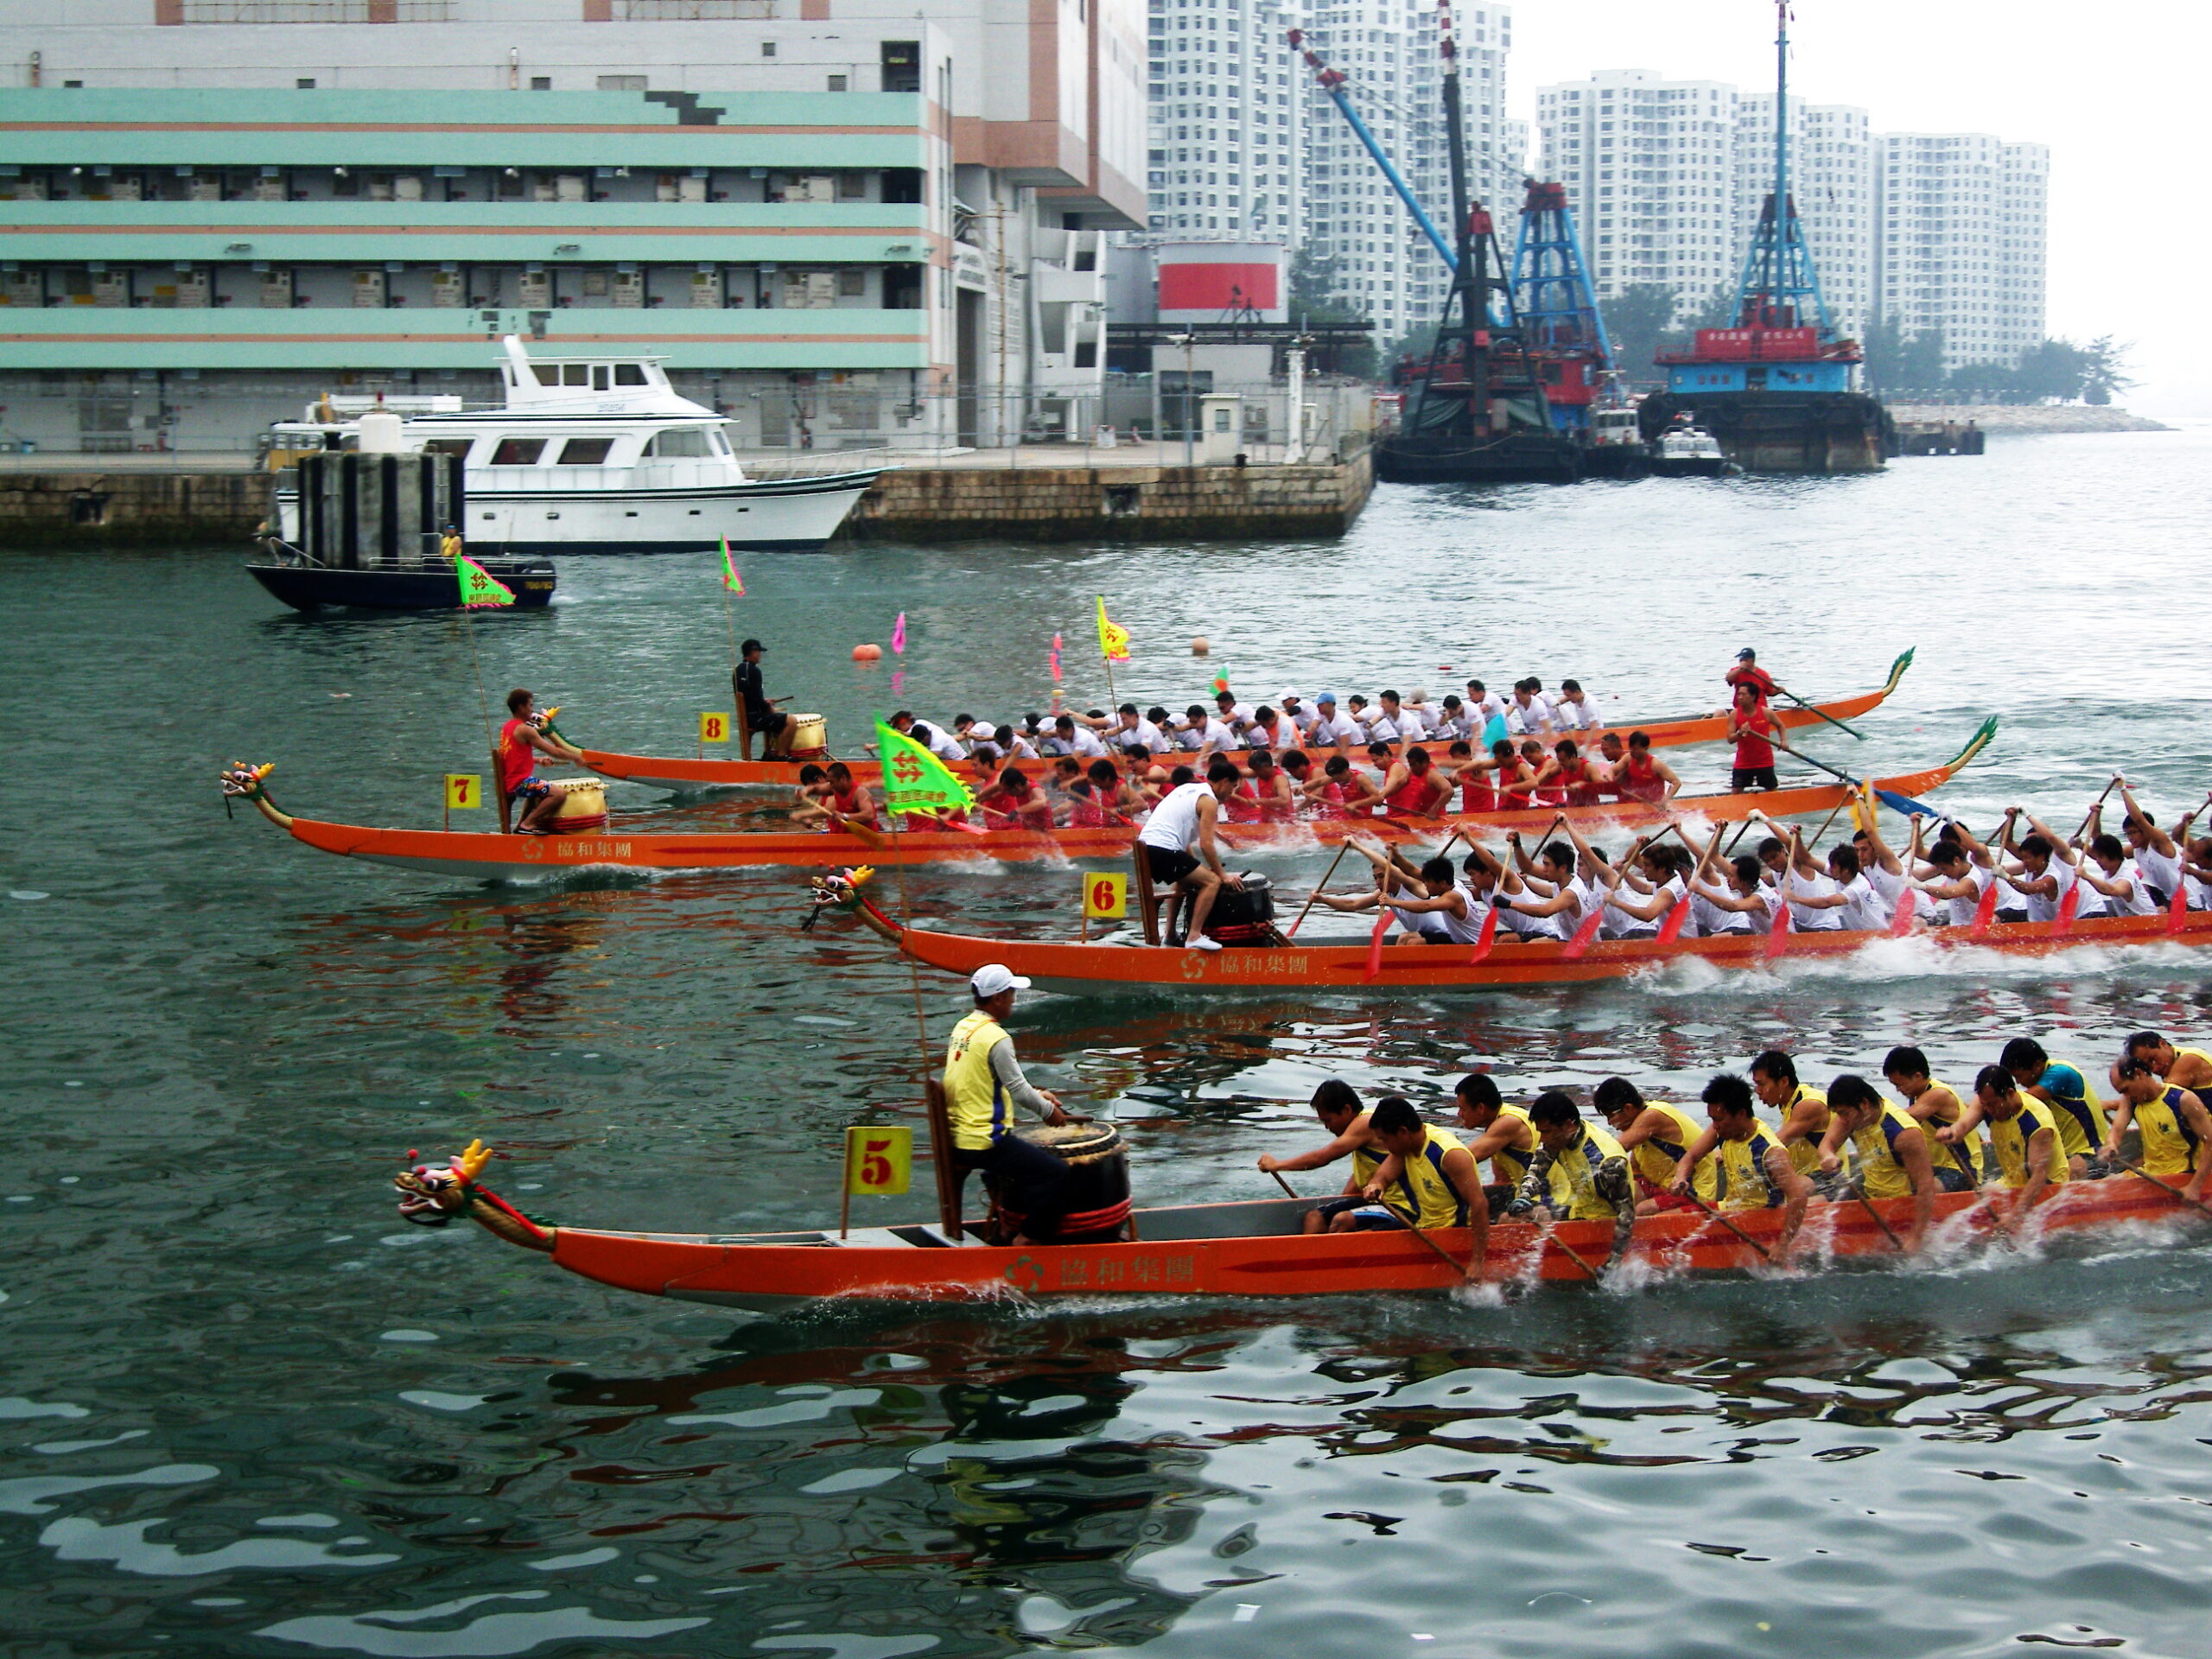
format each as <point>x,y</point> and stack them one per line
<point>1105,896</point>
<point>464,792</point>
<point>879,1161</point>
<point>714,728</point>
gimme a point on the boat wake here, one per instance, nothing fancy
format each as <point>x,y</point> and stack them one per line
<point>1888,961</point>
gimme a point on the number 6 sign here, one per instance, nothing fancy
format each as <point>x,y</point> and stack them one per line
<point>1105,897</point>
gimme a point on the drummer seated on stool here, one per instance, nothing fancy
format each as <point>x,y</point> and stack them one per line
<point>761,713</point>
<point>520,742</point>
<point>982,1085</point>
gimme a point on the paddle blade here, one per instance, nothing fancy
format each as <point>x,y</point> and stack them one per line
<point>1905,803</point>
<point>1778,937</point>
<point>1375,948</point>
<point>2069,906</point>
<point>2176,906</point>
<point>1901,919</point>
<point>1671,929</point>
<point>1578,946</point>
<point>1486,938</point>
<point>1984,910</point>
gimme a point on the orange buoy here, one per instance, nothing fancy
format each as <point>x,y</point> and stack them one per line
<point>1200,647</point>
<point>867,653</point>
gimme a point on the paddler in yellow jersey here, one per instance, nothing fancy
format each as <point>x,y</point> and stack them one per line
<point>1655,1135</point>
<point>1336,1103</point>
<point>2065,1088</point>
<point>1433,1184</point>
<point>2180,1068</point>
<point>1502,1134</point>
<point>1893,1156</point>
<point>1804,1110</point>
<point>1580,1171</point>
<point>1751,1170</point>
<point>982,1085</point>
<point>2175,1127</point>
<point>1934,1106</point>
<point>2026,1152</point>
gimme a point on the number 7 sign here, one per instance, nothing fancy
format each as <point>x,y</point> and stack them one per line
<point>464,792</point>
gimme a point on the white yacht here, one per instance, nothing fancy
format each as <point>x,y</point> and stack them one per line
<point>589,455</point>
<point>1684,449</point>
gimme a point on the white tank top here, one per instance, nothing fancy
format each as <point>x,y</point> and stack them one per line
<point>1963,910</point>
<point>1469,931</point>
<point>1173,824</point>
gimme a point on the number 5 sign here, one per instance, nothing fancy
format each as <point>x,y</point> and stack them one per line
<point>1105,897</point>
<point>877,1161</point>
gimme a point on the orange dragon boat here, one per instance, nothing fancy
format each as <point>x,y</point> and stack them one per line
<point>683,777</point>
<point>484,856</point>
<point>1124,966</point>
<point>1250,1249</point>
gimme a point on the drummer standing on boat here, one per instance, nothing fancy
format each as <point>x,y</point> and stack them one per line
<point>1180,850</point>
<point>982,1085</point>
<point>520,742</point>
<point>761,713</point>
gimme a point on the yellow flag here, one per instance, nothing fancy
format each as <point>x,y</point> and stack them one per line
<point>464,792</point>
<point>714,728</point>
<point>1105,897</point>
<point>1113,640</point>
<point>879,1161</point>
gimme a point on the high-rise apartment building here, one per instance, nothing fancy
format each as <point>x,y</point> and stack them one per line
<point>1832,177</point>
<point>1651,170</point>
<point>1960,243</point>
<point>1244,146</point>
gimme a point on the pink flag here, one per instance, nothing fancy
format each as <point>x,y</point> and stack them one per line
<point>898,635</point>
<point>1056,658</point>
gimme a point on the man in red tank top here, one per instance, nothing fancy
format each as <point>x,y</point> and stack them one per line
<point>1747,671</point>
<point>520,743</point>
<point>1750,728</point>
<point>1412,789</point>
<point>1640,777</point>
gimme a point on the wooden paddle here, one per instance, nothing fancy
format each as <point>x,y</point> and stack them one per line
<point>1342,846</point>
<point>1888,1231</point>
<point>2171,1193</point>
<point>1551,1236</point>
<point>1765,1253</point>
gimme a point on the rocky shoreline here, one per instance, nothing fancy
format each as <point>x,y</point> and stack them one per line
<point>2027,417</point>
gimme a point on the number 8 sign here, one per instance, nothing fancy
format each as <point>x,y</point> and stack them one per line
<point>714,728</point>
<point>1105,896</point>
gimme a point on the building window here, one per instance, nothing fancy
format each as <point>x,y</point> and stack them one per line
<point>692,12</point>
<point>316,11</point>
<point>837,83</point>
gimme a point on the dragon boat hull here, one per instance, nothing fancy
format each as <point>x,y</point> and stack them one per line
<point>480,855</point>
<point>683,777</point>
<point>1254,1249</point>
<point>1119,968</point>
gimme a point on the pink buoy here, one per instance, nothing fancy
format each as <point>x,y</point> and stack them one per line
<point>867,653</point>
<point>1200,647</point>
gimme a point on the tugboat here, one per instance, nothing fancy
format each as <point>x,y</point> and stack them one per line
<point>1477,411</point>
<point>1775,391</point>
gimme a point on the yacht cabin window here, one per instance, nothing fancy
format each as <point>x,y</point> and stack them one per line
<point>585,452</point>
<point>680,440</point>
<point>518,452</point>
<point>630,374</point>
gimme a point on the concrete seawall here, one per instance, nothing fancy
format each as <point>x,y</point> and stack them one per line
<point>85,506</point>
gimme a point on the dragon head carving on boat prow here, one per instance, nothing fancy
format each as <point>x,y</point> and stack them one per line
<point>430,1196</point>
<point>838,891</point>
<point>241,780</point>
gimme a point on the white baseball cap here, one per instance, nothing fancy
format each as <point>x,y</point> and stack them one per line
<point>1286,697</point>
<point>994,979</point>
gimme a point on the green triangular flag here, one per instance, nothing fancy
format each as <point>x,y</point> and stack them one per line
<point>914,780</point>
<point>478,588</point>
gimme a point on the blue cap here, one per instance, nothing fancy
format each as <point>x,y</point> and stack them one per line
<point>1326,697</point>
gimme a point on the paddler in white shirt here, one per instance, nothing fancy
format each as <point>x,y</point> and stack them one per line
<point>1331,729</point>
<point>1957,881</point>
<point>2116,884</point>
<point>1574,709</point>
<point>1541,899</point>
<point>1483,705</point>
<point>2156,856</point>
<point>1182,851</point>
<point>1530,713</point>
<point>1299,712</point>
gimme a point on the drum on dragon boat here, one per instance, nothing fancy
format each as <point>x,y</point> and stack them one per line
<point>583,806</point>
<point>810,737</point>
<point>1098,1182</point>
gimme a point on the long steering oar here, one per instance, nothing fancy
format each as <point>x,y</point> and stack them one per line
<point>1765,1253</point>
<point>1890,798</point>
<point>1816,709</point>
<point>2177,1196</point>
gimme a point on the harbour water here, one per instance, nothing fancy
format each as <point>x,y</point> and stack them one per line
<point>244,1411</point>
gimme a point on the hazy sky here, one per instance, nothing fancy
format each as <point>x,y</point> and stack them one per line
<point>2117,91</point>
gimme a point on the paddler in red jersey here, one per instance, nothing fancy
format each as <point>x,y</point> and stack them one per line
<point>520,743</point>
<point>1413,788</point>
<point>1271,789</point>
<point>1747,671</point>
<point>1638,776</point>
<point>1750,728</point>
<point>1013,803</point>
<point>1572,774</point>
<point>844,800</point>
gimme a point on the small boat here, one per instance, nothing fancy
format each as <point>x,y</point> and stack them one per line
<point>483,856</point>
<point>1248,1248</point>
<point>421,586</point>
<point>683,776</point>
<point>595,454</point>
<point>1686,450</point>
<point>1120,968</point>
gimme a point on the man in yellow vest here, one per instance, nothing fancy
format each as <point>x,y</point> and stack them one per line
<point>982,1085</point>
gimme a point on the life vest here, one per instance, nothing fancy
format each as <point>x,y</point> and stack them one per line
<point>2009,1138</point>
<point>1425,1196</point>
<point>2082,1119</point>
<point>1574,1174</point>
<point>516,759</point>
<point>975,1101</point>
<point>1881,1176</point>
<point>2169,1143</point>
<point>1740,1179</point>
<point>1656,1157</point>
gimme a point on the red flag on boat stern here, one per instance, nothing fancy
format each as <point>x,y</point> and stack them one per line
<point>1375,946</point>
<point>1578,946</point>
<point>1486,938</point>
